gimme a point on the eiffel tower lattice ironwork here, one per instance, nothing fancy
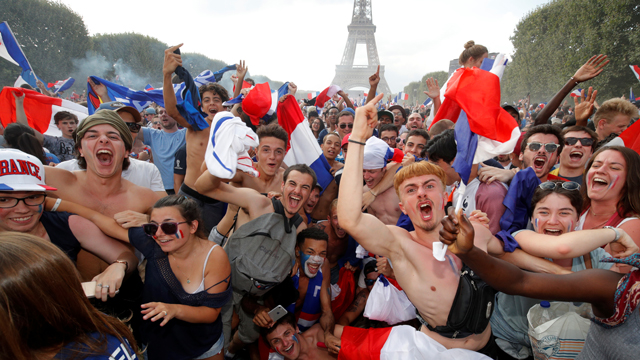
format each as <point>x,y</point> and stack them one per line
<point>361,31</point>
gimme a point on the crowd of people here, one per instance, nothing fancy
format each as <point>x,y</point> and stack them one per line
<point>199,242</point>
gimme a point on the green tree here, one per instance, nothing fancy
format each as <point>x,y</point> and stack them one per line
<point>555,39</point>
<point>50,34</point>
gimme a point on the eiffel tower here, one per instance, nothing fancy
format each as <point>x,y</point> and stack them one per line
<point>361,31</point>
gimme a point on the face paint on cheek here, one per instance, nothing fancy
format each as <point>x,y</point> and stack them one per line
<point>570,226</point>
<point>613,183</point>
<point>179,234</point>
<point>40,208</point>
<point>535,225</point>
<point>590,178</point>
<point>295,338</point>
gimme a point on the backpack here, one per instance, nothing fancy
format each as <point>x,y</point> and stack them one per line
<point>262,251</point>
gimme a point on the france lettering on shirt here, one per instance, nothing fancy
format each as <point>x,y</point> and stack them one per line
<point>9,167</point>
<point>122,353</point>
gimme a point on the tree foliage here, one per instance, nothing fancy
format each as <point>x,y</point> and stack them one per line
<point>421,86</point>
<point>555,39</point>
<point>50,34</point>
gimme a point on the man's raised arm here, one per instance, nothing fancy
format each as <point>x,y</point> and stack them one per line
<point>171,62</point>
<point>366,229</point>
<point>246,198</point>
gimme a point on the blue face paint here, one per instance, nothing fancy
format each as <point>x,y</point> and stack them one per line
<point>535,225</point>
<point>40,208</point>
<point>303,259</point>
<point>295,338</point>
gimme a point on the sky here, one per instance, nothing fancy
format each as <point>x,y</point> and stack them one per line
<point>303,40</point>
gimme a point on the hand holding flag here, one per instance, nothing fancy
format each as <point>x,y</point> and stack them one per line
<point>171,60</point>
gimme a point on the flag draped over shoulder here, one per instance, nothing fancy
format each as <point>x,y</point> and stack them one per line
<point>303,147</point>
<point>39,109</point>
<point>483,129</point>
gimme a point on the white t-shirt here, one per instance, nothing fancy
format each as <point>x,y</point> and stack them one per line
<point>139,172</point>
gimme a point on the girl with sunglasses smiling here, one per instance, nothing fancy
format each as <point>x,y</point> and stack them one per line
<point>187,278</point>
<point>556,207</point>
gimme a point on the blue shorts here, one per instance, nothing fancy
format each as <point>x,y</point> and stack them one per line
<point>215,349</point>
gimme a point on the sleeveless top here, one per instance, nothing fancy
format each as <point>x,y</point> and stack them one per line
<point>311,308</point>
<point>178,339</point>
<point>57,226</point>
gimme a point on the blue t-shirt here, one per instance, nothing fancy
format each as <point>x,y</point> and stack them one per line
<point>115,350</point>
<point>164,146</point>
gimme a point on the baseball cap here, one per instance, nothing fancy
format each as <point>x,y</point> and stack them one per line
<point>345,140</point>
<point>398,107</point>
<point>20,171</point>
<point>257,103</point>
<point>385,112</point>
<point>150,110</point>
<point>119,106</point>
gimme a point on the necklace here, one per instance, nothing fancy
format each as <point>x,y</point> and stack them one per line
<point>175,261</point>
<point>594,214</point>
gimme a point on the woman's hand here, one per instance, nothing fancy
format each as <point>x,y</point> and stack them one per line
<point>157,310</point>
<point>109,281</point>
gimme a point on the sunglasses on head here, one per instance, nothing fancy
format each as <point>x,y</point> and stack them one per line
<point>549,147</point>
<point>552,185</point>
<point>583,141</point>
<point>344,126</point>
<point>133,127</point>
<point>169,228</point>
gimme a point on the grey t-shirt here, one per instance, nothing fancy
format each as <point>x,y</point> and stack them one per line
<point>60,147</point>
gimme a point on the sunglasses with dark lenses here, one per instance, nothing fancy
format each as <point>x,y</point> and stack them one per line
<point>549,147</point>
<point>7,202</point>
<point>344,126</point>
<point>369,282</point>
<point>583,141</point>
<point>134,127</point>
<point>169,228</point>
<point>552,185</point>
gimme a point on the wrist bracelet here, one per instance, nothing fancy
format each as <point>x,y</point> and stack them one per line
<point>55,206</point>
<point>374,195</point>
<point>615,230</point>
<point>356,142</point>
<point>574,81</point>
<point>126,264</point>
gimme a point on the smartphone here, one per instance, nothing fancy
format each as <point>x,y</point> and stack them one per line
<point>89,289</point>
<point>277,313</point>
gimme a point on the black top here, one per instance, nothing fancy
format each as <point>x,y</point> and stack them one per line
<point>177,339</point>
<point>57,226</point>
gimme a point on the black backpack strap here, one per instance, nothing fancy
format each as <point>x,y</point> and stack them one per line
<point>279,209</point>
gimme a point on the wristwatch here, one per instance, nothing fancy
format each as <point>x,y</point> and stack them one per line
<point>614,229</point>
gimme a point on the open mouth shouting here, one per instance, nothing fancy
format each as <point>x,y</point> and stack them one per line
<point>539,163</point>
<point>104,157</point>
<point>599,183</point>
<point>294,202</point>
<point>576,156</point>
<point>425,209</point>
<point>554,232</point>
<point>312,265</point>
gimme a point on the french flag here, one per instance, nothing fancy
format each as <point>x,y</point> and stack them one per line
<point>62,85</point>
<point>483,129</point>
<point>39,109</point>
<point>326,94</point>
<point>209,76</point>
<point>398,342</point>
<point>11,51</point>
<point>312,94</point>
<point>636,71</point>
<point>403,96</point>
<point>427,102</point>
<point>576,93</point>
<point>148,87</point>
<point>629,138</point>
<point>303,146</point>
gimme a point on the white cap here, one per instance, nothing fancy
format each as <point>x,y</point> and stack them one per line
<point>376,154</point>
<point>20,171</point>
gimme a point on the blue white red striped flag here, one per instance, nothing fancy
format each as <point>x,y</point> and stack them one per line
<point>403,96</point>
<point>636,71</point>
<point>427,102</point>
<point>483,129</point>
<point>326,94</point>
<point>303,146</point>
<point>61,85</point>
<point>576,93</point>
<point>312,94</point>
<point>148,87</point>
<point>11,51</point>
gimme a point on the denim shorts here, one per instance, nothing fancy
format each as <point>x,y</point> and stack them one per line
<point>215,349</point>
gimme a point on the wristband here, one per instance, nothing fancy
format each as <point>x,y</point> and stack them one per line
<point>126,264</point>
<point>55,206</point>
<point>615,230</point>
<point>574,80</point>
<point>356,142</point>
<point>374,195</point>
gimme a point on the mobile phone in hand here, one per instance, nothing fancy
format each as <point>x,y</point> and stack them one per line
<point>277,313</point>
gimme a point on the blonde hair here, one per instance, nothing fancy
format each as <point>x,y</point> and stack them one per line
<point>613,107</point>
<point>334,206</point>
<point>471,50</point>
<point>418,169</point>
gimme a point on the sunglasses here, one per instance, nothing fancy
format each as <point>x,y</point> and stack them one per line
<point>549,147</point>
<point>344,126</point>
<point>369,282</point>
<point>399,140</point>
<point>169,228</point>
<point>583,141</point>
<point>134,127</point>
<point>567,185</point>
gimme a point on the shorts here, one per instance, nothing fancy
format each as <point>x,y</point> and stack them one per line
<point>215,349</point>
<point>248,332</point>
<point>217,238</point>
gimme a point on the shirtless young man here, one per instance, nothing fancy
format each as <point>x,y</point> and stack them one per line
<point>430,284</point>
<point>285,338</point>
<point>212,96</point>
<point>103,143</point>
